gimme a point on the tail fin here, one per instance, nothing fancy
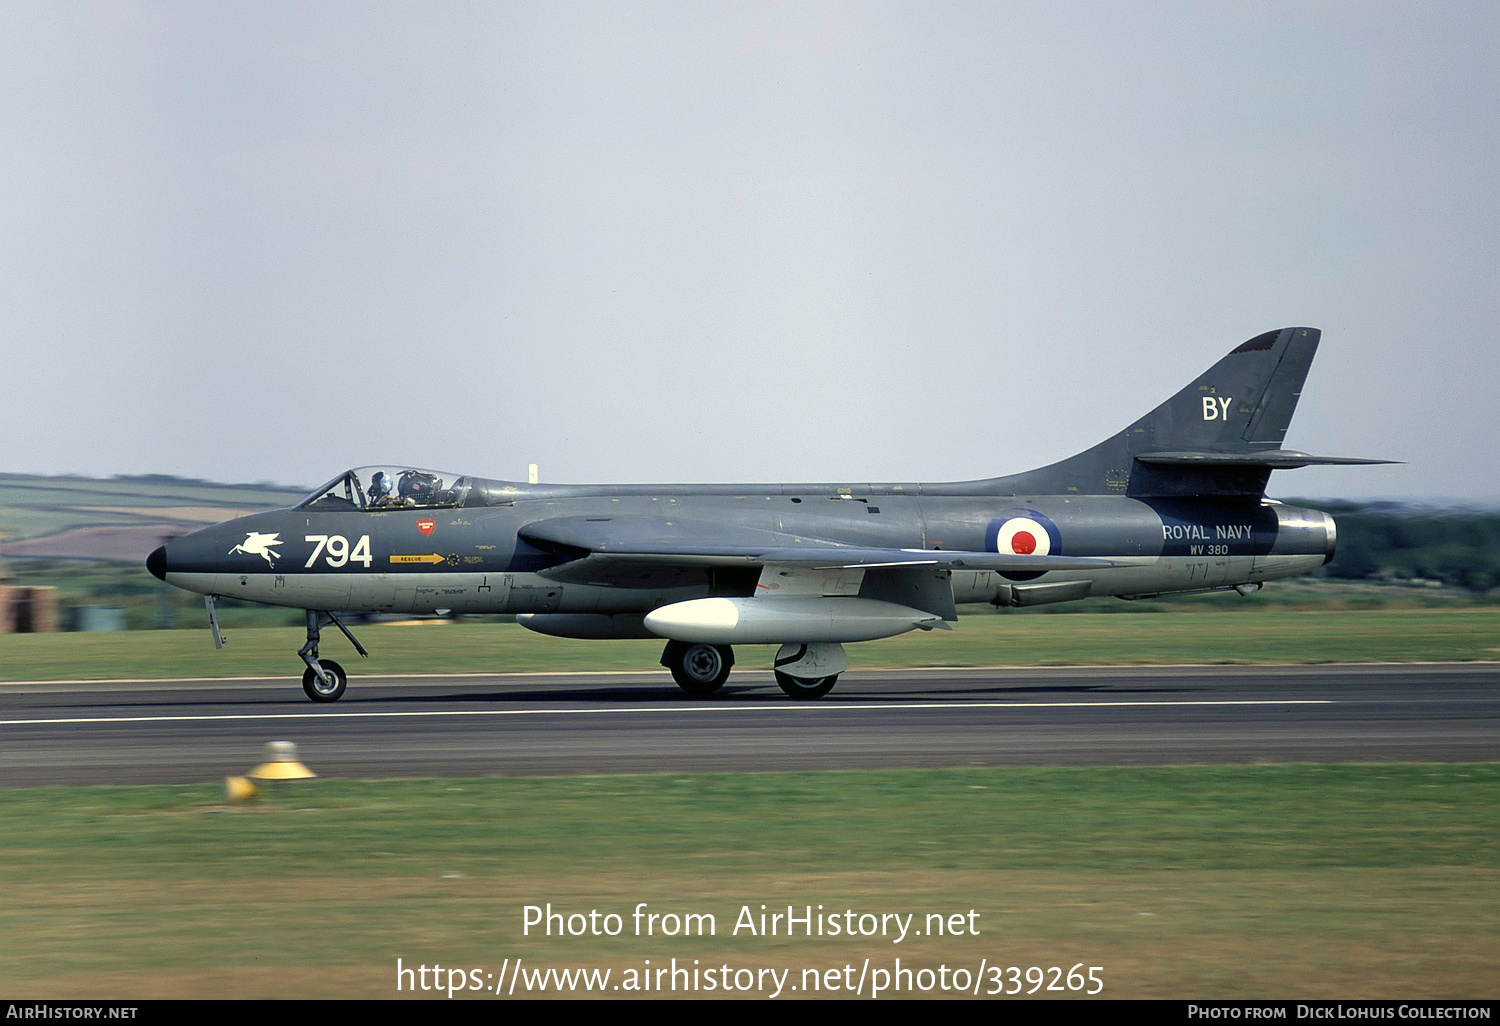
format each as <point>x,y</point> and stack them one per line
<point>1219,436</point>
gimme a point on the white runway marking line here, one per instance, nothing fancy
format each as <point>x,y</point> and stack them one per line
<point>831,707</point>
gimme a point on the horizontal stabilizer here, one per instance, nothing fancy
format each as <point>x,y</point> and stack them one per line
<point>1273,459</point>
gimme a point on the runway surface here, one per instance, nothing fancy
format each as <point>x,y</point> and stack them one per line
<point>193,731</point>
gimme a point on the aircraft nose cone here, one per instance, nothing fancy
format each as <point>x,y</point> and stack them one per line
<point>157,563</point>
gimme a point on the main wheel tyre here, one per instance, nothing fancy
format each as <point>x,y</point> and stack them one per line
<point>805,687</point>
<point>320,692</point>
<point>698,669</point>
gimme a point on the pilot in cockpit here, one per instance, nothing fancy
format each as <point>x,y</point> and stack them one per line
<point>380,489</point>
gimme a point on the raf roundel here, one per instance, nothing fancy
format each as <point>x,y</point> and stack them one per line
<point>1023,532</point>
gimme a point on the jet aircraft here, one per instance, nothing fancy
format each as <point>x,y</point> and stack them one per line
<point>1174,503</point>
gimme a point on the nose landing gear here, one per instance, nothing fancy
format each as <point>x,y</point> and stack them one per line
<point>324,680</point>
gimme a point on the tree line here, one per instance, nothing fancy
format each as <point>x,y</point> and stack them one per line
<point>1391,541</point>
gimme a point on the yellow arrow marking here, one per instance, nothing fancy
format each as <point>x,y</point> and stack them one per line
<point>431,557</point>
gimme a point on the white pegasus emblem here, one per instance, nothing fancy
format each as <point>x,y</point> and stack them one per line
<point>257,544</point>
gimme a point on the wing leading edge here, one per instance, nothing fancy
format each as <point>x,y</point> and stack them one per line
<point>615,551</point>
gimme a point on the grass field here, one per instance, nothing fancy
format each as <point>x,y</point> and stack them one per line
<point>1348,882</point>
<point>1256,881</point>
<point>1239,635</point>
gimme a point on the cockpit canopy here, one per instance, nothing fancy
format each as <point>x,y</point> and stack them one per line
<point>395,487</point>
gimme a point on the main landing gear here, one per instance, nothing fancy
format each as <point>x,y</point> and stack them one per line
<point>324,680</point>
<point>697,668</point>
<point>802,671</point>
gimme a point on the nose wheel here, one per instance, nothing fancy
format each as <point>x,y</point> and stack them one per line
<point>324,680</point>
<point>330,686</point>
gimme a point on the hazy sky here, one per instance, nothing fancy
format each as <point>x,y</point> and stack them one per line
<point>720,241</point>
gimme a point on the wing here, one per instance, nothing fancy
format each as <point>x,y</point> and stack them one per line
<point>639,551</point>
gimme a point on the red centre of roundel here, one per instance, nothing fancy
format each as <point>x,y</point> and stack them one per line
<point>1023,543</point>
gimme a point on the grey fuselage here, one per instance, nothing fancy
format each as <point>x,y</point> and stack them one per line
<point>472,557</point>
